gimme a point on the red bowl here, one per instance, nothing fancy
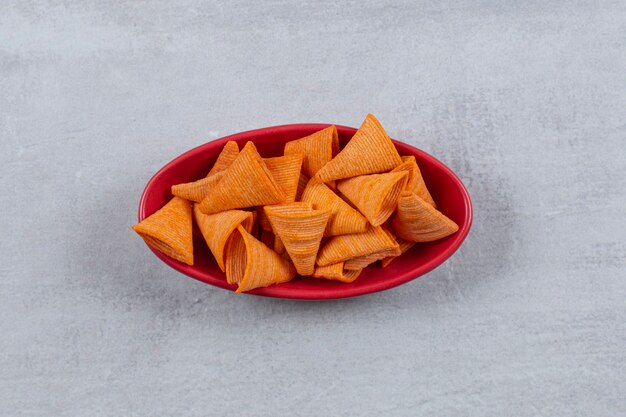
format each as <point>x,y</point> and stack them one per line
<point>445,187</point>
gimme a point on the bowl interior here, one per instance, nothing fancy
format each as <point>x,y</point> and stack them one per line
<point>446,189</point>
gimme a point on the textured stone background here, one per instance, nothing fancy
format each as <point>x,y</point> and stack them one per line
<point>526,102</point>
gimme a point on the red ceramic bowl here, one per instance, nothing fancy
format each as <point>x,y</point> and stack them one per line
<point>445,187</point>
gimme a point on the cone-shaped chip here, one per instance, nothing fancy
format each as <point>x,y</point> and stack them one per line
<point>336,272</point>
<point>317,149</point>
<point>197,190</point>
<point>410,166</point>
<point>226,157</point>
<point>418,221</point>
<point>246,183</point>
<point>170,230</point>
<point>370,151</point>
<point>251,264</point>
<point>216,228</point>
<point>300,230</point>
<point>345,247</point>
<point>416,183</point>
<point>375,195</point>
<point>361,262</point>
<point>286,172</point>
<point>343,218</point>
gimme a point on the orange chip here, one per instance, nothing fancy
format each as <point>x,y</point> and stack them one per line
<point>251,264</point>
<point>264,221</point>
<point>300,230</point>
<point>226,157</point>
<point>410,166</point>
<point>370,151</point>
<point>361,262</point>
<point>235,256</point>
<point>216,228</point>
<point>405,245</point>
<point>418,221</point>
<point>343,218</point>
<point>286,172</point>
<point>345,247</point>
<point>317,149</point>
<point>302,182</point>
<point>170,230</point>
<point>336,272</point>
<point>197,190</point>
<point>246,182</point>
<point>375,195</point>
<point>416,183</point>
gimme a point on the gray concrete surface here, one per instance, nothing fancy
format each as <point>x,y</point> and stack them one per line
<point>525,100</point>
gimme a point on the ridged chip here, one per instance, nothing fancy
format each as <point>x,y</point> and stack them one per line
<point>336,272</point>
<point>247,182</point>
<point>300,230</point>
<point>251,264</point>
<point>317,149</point>
<point>418,221</point>
<point>345,247</point>
<point>170,230</point>
<point>370,151</point>
<point>217,228</point>
<point>375,195</point>
<point>343,218</point>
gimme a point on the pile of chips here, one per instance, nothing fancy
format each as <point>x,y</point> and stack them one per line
<point>315,211</point>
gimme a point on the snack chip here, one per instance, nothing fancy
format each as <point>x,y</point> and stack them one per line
<point>343,218</point>
<point>417,185</point>
<point>251,264</point>
<point>317,149</point>
<point>375,195</point>
<point>216,228</point>
<point>170,230</point>
<point>361,262</point>
<point>196,191</point>
<point>336,272</point>
<point>410,166</point>
<point>300,229</point>
<point>226,157</point>
<point>345,247</point>
<point>370,151</point>
<point>418,221</point>
<point>247,182</point>
<point>286,172</point>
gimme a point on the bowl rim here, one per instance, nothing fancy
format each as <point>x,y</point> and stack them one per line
<point>280,291</point>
